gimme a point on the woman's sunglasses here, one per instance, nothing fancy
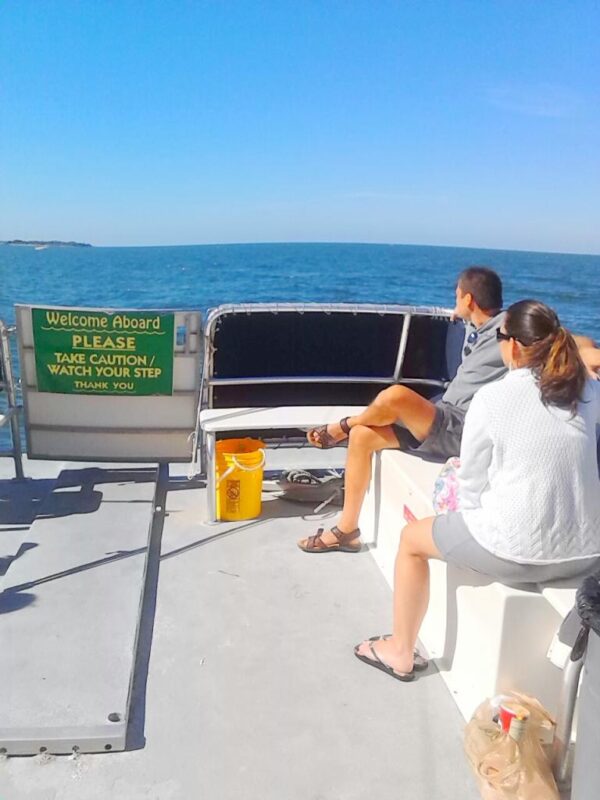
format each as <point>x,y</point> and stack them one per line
<point>503,337</point>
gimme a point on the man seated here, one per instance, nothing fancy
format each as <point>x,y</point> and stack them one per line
<point>399,418</point>
<point>590,354</point>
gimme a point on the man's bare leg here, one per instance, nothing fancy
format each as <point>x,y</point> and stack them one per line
<point>394,404</point>
<point>361,446</point>
<point>363,443</point>
<point>399,403</point>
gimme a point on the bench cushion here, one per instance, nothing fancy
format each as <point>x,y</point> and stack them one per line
<point>215,420</point>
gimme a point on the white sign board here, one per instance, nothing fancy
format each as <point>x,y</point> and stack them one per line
<point>108,384</point>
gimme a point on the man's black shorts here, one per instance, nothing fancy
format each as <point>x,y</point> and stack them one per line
<point>444,437</point>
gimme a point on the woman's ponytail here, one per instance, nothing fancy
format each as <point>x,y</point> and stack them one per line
<point>549,351</point>
<point>562,375</point>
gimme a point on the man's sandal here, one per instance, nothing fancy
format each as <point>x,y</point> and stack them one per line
<point>324,439</point>
<point>315,544</point>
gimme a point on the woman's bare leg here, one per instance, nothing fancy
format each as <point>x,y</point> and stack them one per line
<point>411,595</point>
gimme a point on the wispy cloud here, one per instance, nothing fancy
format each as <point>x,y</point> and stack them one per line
<point>535,100</point>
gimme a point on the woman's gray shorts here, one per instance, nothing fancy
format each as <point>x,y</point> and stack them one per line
<point>457,545</point>
<point>444,437</point>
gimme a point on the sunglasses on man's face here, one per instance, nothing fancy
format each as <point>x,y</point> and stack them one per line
<point>471,339</point>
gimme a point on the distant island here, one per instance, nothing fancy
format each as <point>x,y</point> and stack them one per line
<point>41,243</point>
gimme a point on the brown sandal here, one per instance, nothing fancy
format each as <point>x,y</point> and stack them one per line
<point>325,439</point>
<point>315,544</point>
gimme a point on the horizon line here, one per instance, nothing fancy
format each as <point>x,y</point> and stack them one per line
<point>317,242</point>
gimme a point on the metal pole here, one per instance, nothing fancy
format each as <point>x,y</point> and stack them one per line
<point>211,482</point>
<point>586,766</point>
<point>561,766</point>
<point>11,395</point>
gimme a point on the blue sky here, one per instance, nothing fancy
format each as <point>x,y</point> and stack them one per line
<point>448,122</point>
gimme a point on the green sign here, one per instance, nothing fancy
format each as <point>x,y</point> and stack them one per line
<point>95,352</point>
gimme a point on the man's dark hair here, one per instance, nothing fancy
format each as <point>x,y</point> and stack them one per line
<point>485,286</point>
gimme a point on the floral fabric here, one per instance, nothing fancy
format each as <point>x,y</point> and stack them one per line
<point>445,490</point>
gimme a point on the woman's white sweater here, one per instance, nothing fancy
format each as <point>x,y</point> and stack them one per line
<point>528,483</point>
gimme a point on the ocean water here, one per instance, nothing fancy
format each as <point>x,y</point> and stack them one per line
<point>204,276</point>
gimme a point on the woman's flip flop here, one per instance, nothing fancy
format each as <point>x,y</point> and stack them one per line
<point>378,663</point>
<point>419,662</point>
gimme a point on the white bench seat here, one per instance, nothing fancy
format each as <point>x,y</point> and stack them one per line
<point>485,637</point>
<point>232,420</point>
<point>561,597</point>
<point>217,420</point>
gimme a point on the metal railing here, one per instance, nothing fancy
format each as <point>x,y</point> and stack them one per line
<point>210,382</point>
<point>10,415</point>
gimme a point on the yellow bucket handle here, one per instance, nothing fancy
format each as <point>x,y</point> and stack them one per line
<point>237,464</point>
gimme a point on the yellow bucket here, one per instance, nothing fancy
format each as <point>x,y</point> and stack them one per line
<point>240,465</point>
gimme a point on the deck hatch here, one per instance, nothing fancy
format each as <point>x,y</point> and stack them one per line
<point>75,598</point>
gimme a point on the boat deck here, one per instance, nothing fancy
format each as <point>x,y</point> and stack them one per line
<point>245,683</point>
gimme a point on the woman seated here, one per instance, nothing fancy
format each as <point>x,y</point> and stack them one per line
<point>529,492</point>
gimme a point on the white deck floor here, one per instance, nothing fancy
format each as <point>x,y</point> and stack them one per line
<point>252,689</point>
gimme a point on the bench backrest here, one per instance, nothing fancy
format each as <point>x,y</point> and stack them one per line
<point>267,355</point>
